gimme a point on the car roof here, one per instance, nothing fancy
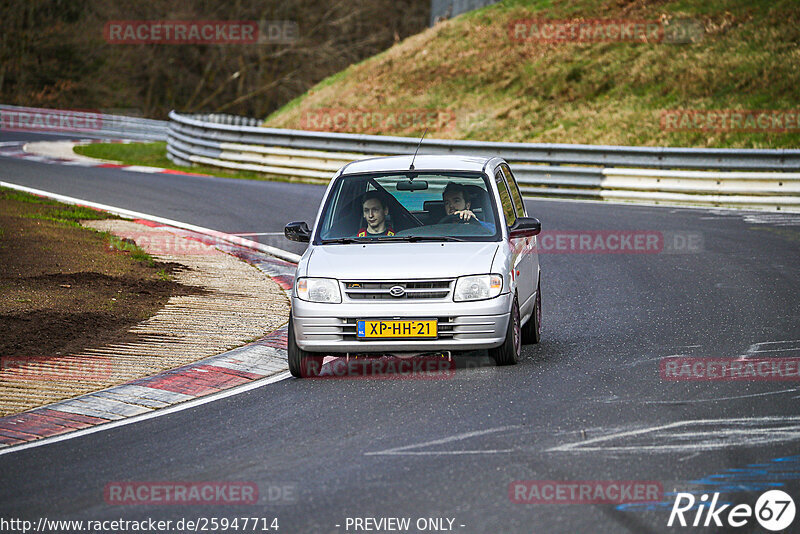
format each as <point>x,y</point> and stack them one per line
<point>421,163</point>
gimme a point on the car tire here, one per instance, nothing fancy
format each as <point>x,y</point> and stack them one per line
<point>302,363</point>
<point>509,352</point>
<point>531,332</point>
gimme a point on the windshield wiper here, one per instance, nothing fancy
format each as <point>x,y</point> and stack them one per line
<point>342,240</point>
<point>414,238</point>
<point>410,238</point>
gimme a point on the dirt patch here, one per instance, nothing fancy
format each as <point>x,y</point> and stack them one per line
<point>64,288</point>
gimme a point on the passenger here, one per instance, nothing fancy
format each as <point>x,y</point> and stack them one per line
<point>456,204</point>
<point>375,211</point>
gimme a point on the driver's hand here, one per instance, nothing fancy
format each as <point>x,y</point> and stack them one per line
<point>465,215</point>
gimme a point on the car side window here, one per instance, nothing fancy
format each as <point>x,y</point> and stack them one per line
<point>515,194</point>
<point>505,199</point>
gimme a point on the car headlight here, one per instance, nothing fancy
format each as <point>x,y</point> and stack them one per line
<point>479,287</point>
<point>318,290</point>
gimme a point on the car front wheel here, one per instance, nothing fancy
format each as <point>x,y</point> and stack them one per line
<point>509,352</point>
<point>302,363</point>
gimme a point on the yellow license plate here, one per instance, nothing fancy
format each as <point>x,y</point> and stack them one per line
<point>397,329</point>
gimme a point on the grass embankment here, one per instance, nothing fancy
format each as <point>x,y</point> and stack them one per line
<point>614,93</point>
<point>64,288</point>
<point>155,155</point>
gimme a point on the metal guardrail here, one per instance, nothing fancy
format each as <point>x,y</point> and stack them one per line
<point>86,123</point>
<point>753,178</point>
<point>224,118</point>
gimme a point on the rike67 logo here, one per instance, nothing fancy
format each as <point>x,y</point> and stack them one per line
<point>774,511</point>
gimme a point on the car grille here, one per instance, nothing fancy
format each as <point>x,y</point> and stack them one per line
<point>412,289</point>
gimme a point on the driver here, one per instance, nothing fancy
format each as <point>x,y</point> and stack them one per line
<point>456,204</point>
<point>375,211</point>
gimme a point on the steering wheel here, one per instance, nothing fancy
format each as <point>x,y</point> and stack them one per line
<point>456,219</point>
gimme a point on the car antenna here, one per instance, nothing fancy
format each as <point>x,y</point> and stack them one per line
<point>411,167</point>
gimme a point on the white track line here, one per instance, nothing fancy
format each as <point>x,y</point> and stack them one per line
<point>259,233</point>
<point>398,451</point>
<point>581,446</point>
<point>274,251</point>
<point>151,415</point>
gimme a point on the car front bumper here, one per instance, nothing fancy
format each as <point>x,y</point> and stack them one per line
<point>462,325</point>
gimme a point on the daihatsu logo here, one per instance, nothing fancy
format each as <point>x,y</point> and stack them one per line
<point>397,291</point>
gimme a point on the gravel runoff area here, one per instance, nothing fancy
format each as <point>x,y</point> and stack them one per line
<point>238,303</point>
<point>60,149</point>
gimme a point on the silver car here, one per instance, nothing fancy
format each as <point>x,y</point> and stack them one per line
<point>416,255</point>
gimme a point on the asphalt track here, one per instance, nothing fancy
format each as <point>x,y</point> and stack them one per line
<point>588,403</point>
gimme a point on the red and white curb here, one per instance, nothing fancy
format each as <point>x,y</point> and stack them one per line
<point>238,370</point>
<point>261,359</point>
<point>21,150</point>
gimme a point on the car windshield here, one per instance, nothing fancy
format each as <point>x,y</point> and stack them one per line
<point>409,206</point>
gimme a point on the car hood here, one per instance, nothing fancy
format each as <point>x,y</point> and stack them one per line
<point>400,261</point>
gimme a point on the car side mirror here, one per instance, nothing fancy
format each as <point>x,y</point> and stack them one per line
<point>297,231</point>
<point>525,227</point>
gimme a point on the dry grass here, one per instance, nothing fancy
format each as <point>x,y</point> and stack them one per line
<point>597,93</point>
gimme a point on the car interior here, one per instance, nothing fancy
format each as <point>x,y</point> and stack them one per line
<point>349,218</point>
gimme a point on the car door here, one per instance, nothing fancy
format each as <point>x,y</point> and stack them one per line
<point>525,259</point>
